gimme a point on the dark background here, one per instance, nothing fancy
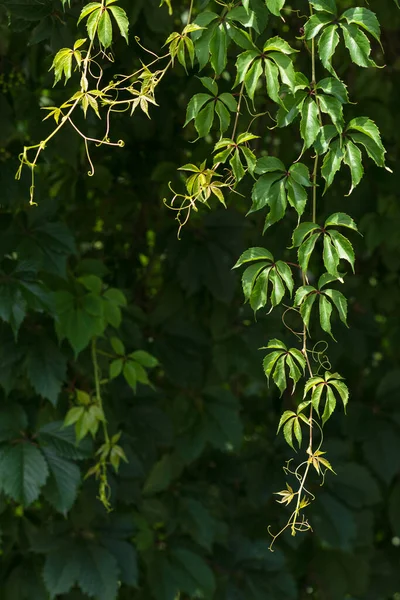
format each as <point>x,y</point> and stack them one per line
<point>204,461</point>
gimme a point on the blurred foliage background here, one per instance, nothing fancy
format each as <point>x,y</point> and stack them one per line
<point>192,506</point>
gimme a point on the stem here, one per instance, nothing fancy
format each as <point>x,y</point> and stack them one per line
<point>238,111</point>
<point>190,11</point>
<point>297,509</point>
<point>99,400</point>
<point>313,79</point>
<point>314,189</point>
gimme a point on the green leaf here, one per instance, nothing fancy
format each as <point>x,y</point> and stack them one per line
<point>98,574</point>
<point>229,101</point>
<point>277,202</point>
<point>262,192</point>
<point>335,88</point>
<point>293,105</point>
<point>306,308</point>
<point>288,414</point>
<point>330,405</point>
<point>104,30</point>
<point>23,471</point>
<point>218,49</point>
<point>243,62</point>
<point>195,105</point>
<point>278,289</point>
<point>342,220</point>
<point>365,19</point>
<point>315,23</point>
<point>297,196</point>
<point>340,303</point>
<point>61,569</point>
<point>252,77</point>
<point>269,164</point>
<point>196,574</point>
<point>309,125</point>
<point>145,359</point>
<point>330,256</point>
<point>46,368</point>
<point>79,323</point>
<point>325,312</point>
<point>253,254</point>
<point>87,9</point>
<point>272,81</point>
<point>159,477</point>
<point>327,45</point>
<point>117,346</point>
<point>237,167</point>
<point>358,45</point>
<point>324,138</point>
<point>122,21</point>
<point>223,115</point>
<point>62,485</point>
<point>288,432</point>
<point>332,107</point>
<point>279,375</point>
<point>285,272</point>
<point>301,232</point>
<point>275,6</point>
<point>204,120</point>
<point>342,390</point>
<point>353,159</point>
<point>249,277</point>
<point>285,67</point>
<point>63,441</point>
<point>343,247</point>
<point>328,6</point>
<point>269,363</point>
<point>259,294</point>
<point>331,164</point>
<point>306,249</point>
<point>300,173</point>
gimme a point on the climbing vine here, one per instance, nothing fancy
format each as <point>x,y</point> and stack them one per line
<point>224,41</point>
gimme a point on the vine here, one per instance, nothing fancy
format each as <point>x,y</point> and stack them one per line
<point>267,76</point>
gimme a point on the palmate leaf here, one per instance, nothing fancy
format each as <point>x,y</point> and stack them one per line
<point>277,363</point>
<point>352,23</point>
<point>273,62</point>
<point>328,299</point>
<point>241,158</point>
<point>336,247</point>
<point>275,6</point>
<point>361,131</point>
<point>265,271</point>
<point>291,424</point>
<point>88,565</point>
<point>99,21</point>
<point>279,186</point>
<point>327,388</point>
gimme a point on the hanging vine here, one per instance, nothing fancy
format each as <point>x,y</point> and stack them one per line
<point>315,106</point>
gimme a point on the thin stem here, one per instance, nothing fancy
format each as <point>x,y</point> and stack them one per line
<point>314,189</point>
<point>190,11</point>
<point>297,509</point>
<point>313,78</point>
<point>99,400</point>
<point>238,111</point>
